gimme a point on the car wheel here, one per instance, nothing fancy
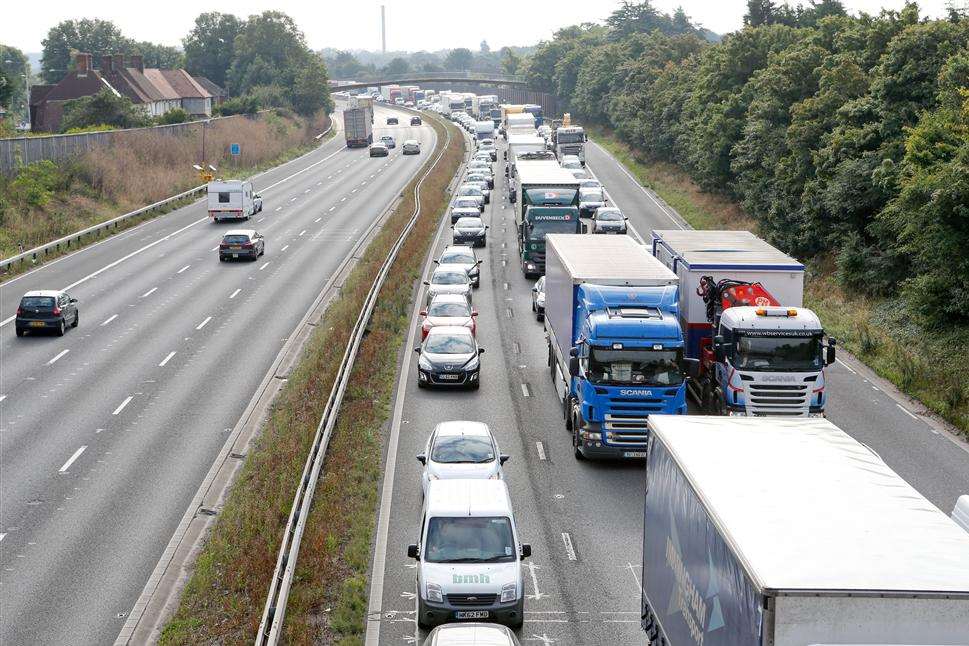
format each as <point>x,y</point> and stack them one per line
<point>534,309</point>
<point>77,319</point>
<point>61,328</point>
<point>476,385</point>
<point>420,384</point>
<point>540,316</point>
<point>20,331</point>
<point>423,625</point>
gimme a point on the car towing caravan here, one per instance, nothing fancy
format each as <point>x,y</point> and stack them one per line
<point>232,199</point>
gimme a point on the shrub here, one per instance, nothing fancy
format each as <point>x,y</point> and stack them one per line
<point>35,183</point>
<point>178,115</point>
<point>247,104</point>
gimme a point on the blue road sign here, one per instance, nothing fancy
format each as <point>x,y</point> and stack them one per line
<point>235,149</point>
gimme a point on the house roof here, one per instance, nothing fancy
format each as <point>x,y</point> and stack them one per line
<point>185,85</point>
<point>38,93</point>
<point>211,87</point>
<point>157,78</point>
<point>75,85</point>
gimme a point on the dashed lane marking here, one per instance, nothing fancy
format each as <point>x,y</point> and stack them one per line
<point>301,233</point>
<point>166,359</point>
<point>183,269</point>
<point>285,248</point>
<point>317,220</point>
<point>525,391</point>
<point>109,319</point>
<point>279,208</point>
<point>203,323</point>
<point>71,459</point>
<point>541,450</point>
<point>265,265</point>
<point>333,208</point>
<point>235,293</point>
<point>122,405</point>
<point>569,548</point>
<point>149,292</point>
<point>57,356</point>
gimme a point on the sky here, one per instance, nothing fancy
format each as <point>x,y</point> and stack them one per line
<point>412,25</point>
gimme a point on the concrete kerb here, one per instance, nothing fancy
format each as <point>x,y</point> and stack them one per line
<point>158,599</point>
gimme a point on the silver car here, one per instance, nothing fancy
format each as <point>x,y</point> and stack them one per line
<point>411,147</point>
<point>608,220</point>
<point>448,279</point>
<point>461,450</point>
<point>464,256</point>
<point>590,199</point>
<point>538,298</point>
<point>470,190</point>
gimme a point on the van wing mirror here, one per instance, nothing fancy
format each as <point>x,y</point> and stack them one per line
<point>526,551</point>
<point>412,551</point>
<point>503,458</point>
<point>718,350</point>
<point>422,458</point>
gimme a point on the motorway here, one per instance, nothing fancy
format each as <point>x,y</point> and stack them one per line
<point>583,519</point>
<point>106,433</point>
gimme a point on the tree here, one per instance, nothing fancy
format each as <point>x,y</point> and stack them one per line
<point>97,37</point>
<point>270,49</point>
<point>311,92</point>
<point>161,56</point>
<point>397,67</point>
<point>459,59</point>
<point>210,46</point>
<point>510,61</point>
<point>13,86</point>
<point>103,108</point>
<point>344,65</point>
<point>637,17</point>
<point>484,48</point>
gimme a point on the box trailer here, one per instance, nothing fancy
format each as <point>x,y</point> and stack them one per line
<point>789,532</point>
<point>358,127</point>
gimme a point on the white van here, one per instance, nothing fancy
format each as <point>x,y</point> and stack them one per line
<point>233,199</point>
<point>469,557</point>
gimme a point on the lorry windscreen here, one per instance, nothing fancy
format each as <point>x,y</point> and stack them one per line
<point>551,196</point>
<point>777,354</point>
<point>538,229</point>
<point>635,366</point>
<point>463,539</point>
<point>570,137</point>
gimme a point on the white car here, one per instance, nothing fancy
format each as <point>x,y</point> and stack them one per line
<point>608,220</point>
<point>448,309</point>
<point>472,634</point>
<point>571,162</point>
<point>590,199</point>
<point>538,298</point>
<point>590,183</point>
<point>469,560</point>
<point>459,449</point>
<point>411,147</point>
<point>448,279</point>
<point>470,190</point>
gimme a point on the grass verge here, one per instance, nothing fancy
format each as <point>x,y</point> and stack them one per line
<point>927,365</point>
<point>46,201</point>
<point>224,599</point>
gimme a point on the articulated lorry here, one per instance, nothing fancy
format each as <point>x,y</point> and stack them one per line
<point>789,532</point>
<point>485,104</point>
<point>549,203</point>
<point>569,140</point>
<point>358,126</point>
<point>535,111</point>
<point>615,348</point>
<point>520,122</point>
<point>759,351</point>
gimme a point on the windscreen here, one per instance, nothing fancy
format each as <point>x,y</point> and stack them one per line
<point>235,239</point>
<point>469,540</point>
<point>457,257</point>
<point>463,449</point>
<point>37,302</point>
<point>608,216</point>
<point>449,309</point>
<point>469,223</point>
<point>449,344</point>
<point>551,196</point>
<point>538,229</point>
<point>449,278</point>
<point>635,366</point>
<point>777,354</point>
<point>570,137</point>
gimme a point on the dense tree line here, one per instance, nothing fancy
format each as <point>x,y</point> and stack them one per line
<point>262,61</point>
<point>365,66</point>
<point>843,136</point>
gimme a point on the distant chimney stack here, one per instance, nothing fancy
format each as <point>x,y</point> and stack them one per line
<point>117,62</point>
<point>138,62</point>
<point>82,62</point>
<point>105,63</point>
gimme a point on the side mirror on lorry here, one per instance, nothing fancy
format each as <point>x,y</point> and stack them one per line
<point>718,350</point>
<point>692,367</point>
<point>830,354</point>
<point>574,366</point>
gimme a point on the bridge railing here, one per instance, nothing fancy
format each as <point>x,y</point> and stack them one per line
<point>418,77</point>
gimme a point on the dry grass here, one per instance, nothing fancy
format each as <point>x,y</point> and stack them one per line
<point>920,362</point>
<point>224,599</point>
<point>143,168</point>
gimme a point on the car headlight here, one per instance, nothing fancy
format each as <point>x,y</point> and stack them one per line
<point>424,364</point>
<point>434,593</point>
<point>509,592</point>
<point>473,364</point>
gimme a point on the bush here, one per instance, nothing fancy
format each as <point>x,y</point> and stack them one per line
<point>178,115</point>
<point>34,185</point>
<point>103,108</point>
<point>98,128</point>
<point>247,104</point>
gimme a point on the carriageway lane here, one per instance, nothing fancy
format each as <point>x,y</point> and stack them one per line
<point>576,591</point>
<point>867,408</point>
<point>101,523</point>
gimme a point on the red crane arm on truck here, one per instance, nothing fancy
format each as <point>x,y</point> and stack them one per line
<point>722,294</point>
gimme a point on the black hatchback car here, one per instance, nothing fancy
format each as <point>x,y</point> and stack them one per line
<point>449,357</point>
<point>415,121</point>
<point>46,309</point>
<point>391,121</point>
<point>242,243</point>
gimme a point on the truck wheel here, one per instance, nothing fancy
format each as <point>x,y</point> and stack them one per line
<point>719,405</point>
<point>575,445</point>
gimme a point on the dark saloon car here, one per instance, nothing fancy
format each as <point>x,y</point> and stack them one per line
<point>470,231</point>
<point>241,243</point>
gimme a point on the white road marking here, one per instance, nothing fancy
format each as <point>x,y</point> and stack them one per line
<point>292,199</point>
<point>907,412</point>
<point>541,450</point>
<point>261,219</point>
<point>71,459</point>
<point>307,191</point>
<point>109,319</point>
<point>329,176</point>
<point>279,208</point>
<point>569,548</point>
<point>531,570</point>
<point>2,397</point>
<point>525,390</point>
<point>3,535</point>
<point>875,388</point>
<point>319,183</point>
<point>203,323</point>
<point>632,570</point>
<point>122,405</point>
<point>343,199</point>
<point>846,366</point>
<point>215,248</point>
<point>301,233</point>
<point>149,292</point>
<point>265,265</point>
<point>183,269</point>
<point>317,220</point>
<point>57,356</point>
<point>333,208</point>
<point>235,293</point>
<point>285,248</point>
<point>166,359</point>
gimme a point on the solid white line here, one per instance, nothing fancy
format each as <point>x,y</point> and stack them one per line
<point>149,292</point>
<point>123,404</point>
<point>569,548</point>
<point>285,248</point>
<point>846,366</point>
<point>203,323</point>
<point>640,186</point>
<point>183,269</point>
<point>525,390</point>
<point>303,232</point>
<point>70,460</point>
<point>235,293</point>
<point>166,359</point>
<point>266,265</point>
<point>109,319</point>
<point>541,450</point>
<point>907,412</point>
<point>58,356</point>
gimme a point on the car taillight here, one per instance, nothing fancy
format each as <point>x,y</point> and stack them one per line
<point>57,311</point>
<point>247,245</point>
<point>223,246</point>
<point>20,311</point>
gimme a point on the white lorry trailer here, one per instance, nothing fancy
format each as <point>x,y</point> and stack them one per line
<point>788,532</point>
<point>232,199</point>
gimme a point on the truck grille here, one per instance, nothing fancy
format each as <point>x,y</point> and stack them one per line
<point>777,399</point>
<point>471,599</point>
<point>624,423</point>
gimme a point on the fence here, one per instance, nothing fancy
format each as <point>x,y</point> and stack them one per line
<point>15,153</point>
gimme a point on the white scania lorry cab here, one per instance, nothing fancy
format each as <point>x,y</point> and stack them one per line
<point>469,556</point>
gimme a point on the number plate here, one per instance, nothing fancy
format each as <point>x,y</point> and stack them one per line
<point>235,255</point>
<point>634,454</point>
<point>450,377</point>
<point>36,324</point>
<point>471,614</point>
<point>235,248</point>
